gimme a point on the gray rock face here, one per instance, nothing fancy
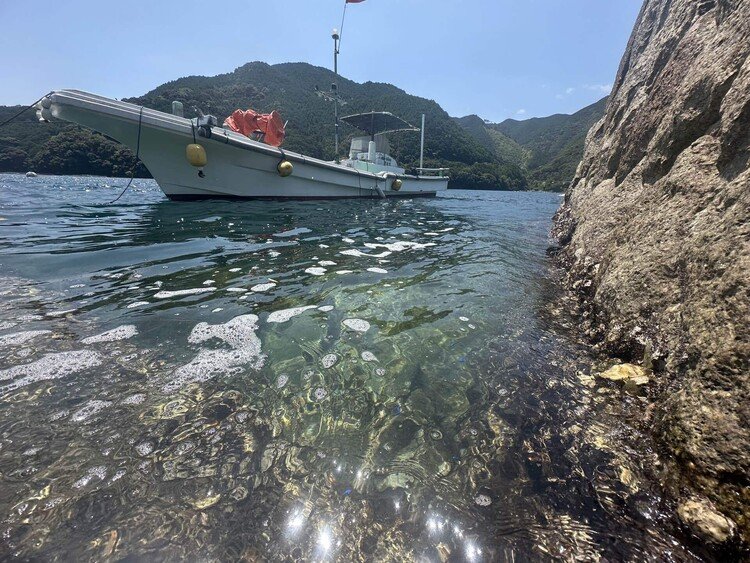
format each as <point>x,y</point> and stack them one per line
<point>655,235</point>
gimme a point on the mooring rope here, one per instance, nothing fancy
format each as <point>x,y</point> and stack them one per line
<point>137,159</point>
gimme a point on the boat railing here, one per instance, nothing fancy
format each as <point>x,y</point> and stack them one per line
<point>440,172</point>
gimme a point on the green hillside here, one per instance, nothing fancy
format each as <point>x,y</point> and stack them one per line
<point>299,92</point>
<point>547,149</point>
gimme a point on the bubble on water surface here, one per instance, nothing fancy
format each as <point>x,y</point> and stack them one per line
<point>239,334</point>
<point>136,399</point>
<point>261,287</point>
<point>329,360</point>
<point>95,473</point>
<point>369,357</point>
<point>281,381</point>
<point>183,292</point>
<point>316,271</point>
<point>120,333</point>
<point>326,263</point>
<point>144,448</point>
<point>89,409</point>
<point>51,366</point>
<point>285,314</point>
<point>380,372</point>
<point>18,338</point>
<point>320,393</point>
<point>463,319</point>
<point>482,500</point>
<point>357,325</point>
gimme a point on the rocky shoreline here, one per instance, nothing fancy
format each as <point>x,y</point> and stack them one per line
<point>654,237</point>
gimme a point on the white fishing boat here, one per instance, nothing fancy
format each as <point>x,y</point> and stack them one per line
<point>197,158</point>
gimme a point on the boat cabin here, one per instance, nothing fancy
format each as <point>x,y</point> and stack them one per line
<point>369,153</point>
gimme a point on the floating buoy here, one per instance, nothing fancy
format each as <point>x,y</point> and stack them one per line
<point>196,155</point>
<point>396,185</point>
<point>31,174</point>
<point>285,168</point>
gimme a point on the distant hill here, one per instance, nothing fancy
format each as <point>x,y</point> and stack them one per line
<point>548,149</point>
<point>299,92</point>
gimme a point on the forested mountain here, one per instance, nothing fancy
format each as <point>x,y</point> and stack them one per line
<point>300,92</point>
<point>507,156</point>
<point>548,149</point>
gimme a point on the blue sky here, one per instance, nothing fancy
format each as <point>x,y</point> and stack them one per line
<point>495,58</point>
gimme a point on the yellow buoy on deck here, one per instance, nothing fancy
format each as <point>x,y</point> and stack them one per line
<point>285,168</point>
<point>196,155</point>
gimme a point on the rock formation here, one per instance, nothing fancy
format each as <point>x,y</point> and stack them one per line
<point>655,236</point>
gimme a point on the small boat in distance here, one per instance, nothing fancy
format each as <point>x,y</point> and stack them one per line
<point>198,159</point>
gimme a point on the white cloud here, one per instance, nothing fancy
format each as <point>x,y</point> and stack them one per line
<point>601,88</point>
<point>569,91</point>
<point>521,112</point>
<point>559,96</point>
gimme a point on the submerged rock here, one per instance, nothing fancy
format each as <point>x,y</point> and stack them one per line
<point>705,521</point>
<point>626,372</point>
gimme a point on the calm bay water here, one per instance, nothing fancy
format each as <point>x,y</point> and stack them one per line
<point>343,381</point>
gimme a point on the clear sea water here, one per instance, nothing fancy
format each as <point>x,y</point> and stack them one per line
<point>344,381</point>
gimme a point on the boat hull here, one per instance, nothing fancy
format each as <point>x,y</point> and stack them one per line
<point>237,167</point>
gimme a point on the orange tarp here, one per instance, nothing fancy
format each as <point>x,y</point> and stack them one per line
<point>250,122</point>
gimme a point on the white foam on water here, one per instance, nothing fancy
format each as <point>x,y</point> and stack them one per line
<point>380,372</point>
<point>136,399</point>
<point>239,334</point>
<point>144,448</point>
<point>353,252</point>
<point>27,318</point>
<point>329,360</point>
<point>281,381</point>
<point>120,333</point>
<point>89,409</point>
<point>99,473</point>
<point>326,308</point>
<point>273,253</point>
<point>357,325</point>
<point>323,246</point>
<point>51,366</point>
<point>181,292</point>
<point>316,271</point>
<point>326,263</point>
<point>463,319</point>
<point>209,282</point>
<point>377,270</point>
<point>261,287</point>
<point>293,232</point>
<point>347,240</point>
<point>21,337</point>
<point>235,270</point>
<point>6,325</point>
<point>344,272</point>
<point>218,310</point>
<point>432,234</point>
<point>369,357</point>
<point>285,314</point>
<point>77,285</point>
<point>400,246</point>
<point>236,290</point>
<point>137,304</point>
<point>61,313</point>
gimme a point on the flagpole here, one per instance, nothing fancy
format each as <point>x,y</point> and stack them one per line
<point>334,87</point>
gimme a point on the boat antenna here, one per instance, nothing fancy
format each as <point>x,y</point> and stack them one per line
<point>337,34</point>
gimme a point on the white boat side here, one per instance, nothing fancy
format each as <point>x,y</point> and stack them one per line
<point>237,167</point>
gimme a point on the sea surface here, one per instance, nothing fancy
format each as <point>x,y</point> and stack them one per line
<point>345,381</point>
